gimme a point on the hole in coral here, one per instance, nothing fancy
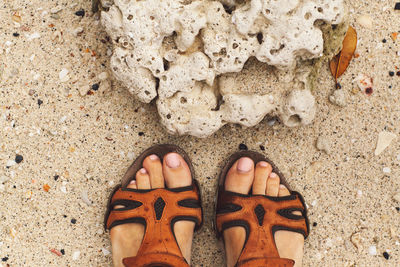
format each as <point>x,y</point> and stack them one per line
<point>308,15</point>
<point>222,52</point>
<point>166,64</point>
<point>235,45</point>
<point>320,10</point>
<point>260,37</point>
<point>220,102</point>
<point>267,11</point>
<point>183,100</point>
<point>294,120</point>
<point>164,78</point>
<point>147,92</point>
<point>168,116</point>
<point>157,83</point>
<point>276,51</point>
<point>229,9</point>
<point>130,17</point>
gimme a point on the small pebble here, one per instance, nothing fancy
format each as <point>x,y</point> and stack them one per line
<point>55,10</point>
<point>95,87</point>
<point>243,147</point>
<point>130,155</point>
<point>4,259</point>
<point>338,98</point>
<point>75,255</point>
<point>62,251</point>
<point>73,221</point>
<point>372,250</point>
<point>262,147</point>
<point>39,102</point>
<point>19,159</point>
<point>323,144</point>
<point>386,255</point>
<point>391,73</point>
<point>365,21</point>
<point>384,140</point>
<point>384,41</point>
<point>386,170</point>
<point>56,177</point>
<point>85,198</point>
<point>105,252</point>
<point>314,224</point>
<point>141,133</point>
<point>80,13</point>
<point>15,34</point>
<point>103,76</point>
<point>77,31</point>
<point>63,75</point>
<point>397,6</point>
<point>398,73</point>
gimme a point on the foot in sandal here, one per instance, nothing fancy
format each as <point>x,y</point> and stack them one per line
<point>259,214</point>
<point>153,173</point>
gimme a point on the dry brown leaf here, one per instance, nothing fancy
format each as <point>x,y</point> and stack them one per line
<point>340,62</point>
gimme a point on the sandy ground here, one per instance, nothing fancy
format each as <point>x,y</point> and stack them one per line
<point>72,144</point>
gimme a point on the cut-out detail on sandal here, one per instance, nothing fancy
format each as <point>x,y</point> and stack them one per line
<point>288,213</point>
<point>159,206</point>
<point>260,212</point>
<point>128,204</point>
<point>189,203</point>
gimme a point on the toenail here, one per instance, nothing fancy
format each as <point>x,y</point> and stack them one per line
<point>263,164</point>
<point>172,161</point>
<point>133,182</point>
<point>143,171</point>
<point>281,186</point>
<point>273,175</point>
<point>244,165</point>
<point>153,157</point>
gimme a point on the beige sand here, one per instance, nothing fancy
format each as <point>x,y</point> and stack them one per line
<point>90,140</point>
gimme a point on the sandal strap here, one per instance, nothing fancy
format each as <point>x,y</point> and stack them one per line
<point>155,259</point>
<point>266,262</point>
<point>157,210</point>
<point>261,216</point>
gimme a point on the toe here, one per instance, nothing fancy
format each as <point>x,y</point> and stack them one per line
<point>176,171</point>
<point>154,167</point>
<point>283,191</point>
<point>132,184</point>
<point>273,185</point>
<point>261,174</point>
<point>240,176</point>
<point>143,179</point>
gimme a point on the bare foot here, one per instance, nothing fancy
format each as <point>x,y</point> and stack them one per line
<point>241,178</point>
<point>173,172</point>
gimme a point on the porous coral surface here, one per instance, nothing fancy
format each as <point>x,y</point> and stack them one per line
<point>190,54</point>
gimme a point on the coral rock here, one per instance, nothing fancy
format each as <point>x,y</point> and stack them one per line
<point>194,55</point>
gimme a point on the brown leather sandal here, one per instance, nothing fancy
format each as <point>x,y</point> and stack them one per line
<point>261,216</point>
<point>158,210</point>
